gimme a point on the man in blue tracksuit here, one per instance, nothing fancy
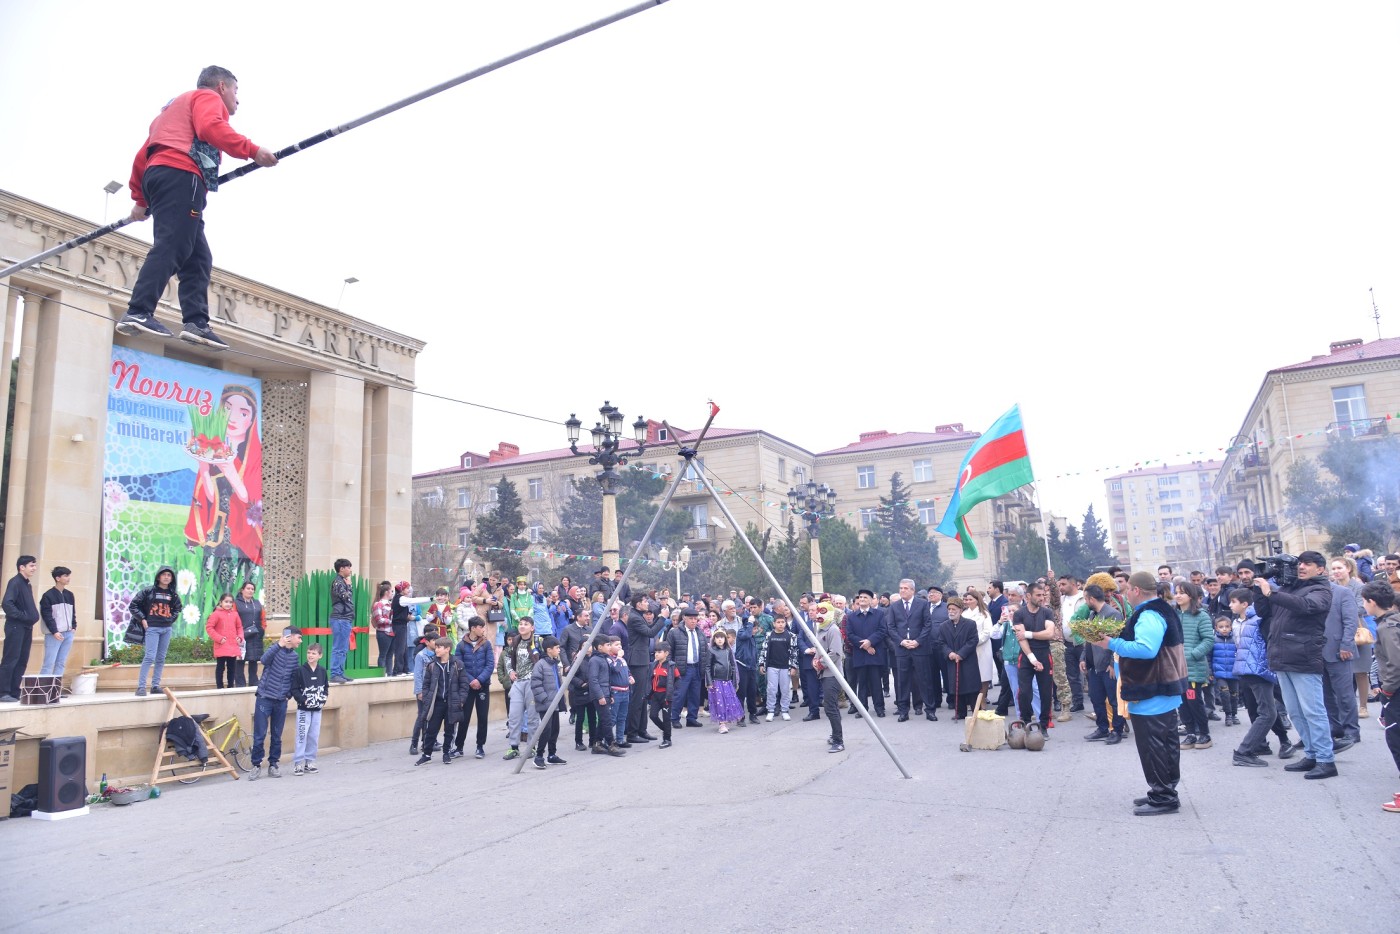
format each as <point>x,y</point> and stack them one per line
<point>279,663</point>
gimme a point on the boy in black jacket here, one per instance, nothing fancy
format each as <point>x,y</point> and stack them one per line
<point>445,694</point>
<point>664,676</point>
<point>600,693</point>
<point>310,688</point>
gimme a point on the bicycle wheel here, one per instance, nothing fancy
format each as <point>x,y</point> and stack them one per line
<point>240,753</point>
<point>189,772</point>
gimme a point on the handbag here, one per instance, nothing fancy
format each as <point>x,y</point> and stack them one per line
<point>495,616</point>
<point>1363,635</point>
<point>135,633</point>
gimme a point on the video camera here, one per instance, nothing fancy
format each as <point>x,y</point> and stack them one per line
<point>1283,569</point>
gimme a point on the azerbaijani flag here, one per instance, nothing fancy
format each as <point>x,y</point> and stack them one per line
<point>997,464</point>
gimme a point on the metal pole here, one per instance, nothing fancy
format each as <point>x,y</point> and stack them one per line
<point>346,127</point>
<point>687,453</point>
<point>811,636</point>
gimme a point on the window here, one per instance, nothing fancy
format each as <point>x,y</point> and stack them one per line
<point>1137,540</point>
<point>1349,403</point>
<point>433,497</point>
<point>1132,487</point>
<point>1169,481</point>
<point>536,488</point>
<point>568,482</point>
<point>493,495</point>
<point>923,470</point>
<point>699,515</point>
<point>462,536</point>
<point>464,498</point>
<point>1116,486</point>
<point>1156,552</point>
<point>693,468</point>
<point>865,478</point>
<point>466,460</point>
<point>534,533</point>
<point>1171,507</point>
<point>663,435</point>
<point>1135,511</point>
<point>1153,526</point>
<point>1135,526</point>
<point>867,517</point>
<point>1169,494</point>
<point>782,468</point>
<point>799,476</point>
<point>928,515</point>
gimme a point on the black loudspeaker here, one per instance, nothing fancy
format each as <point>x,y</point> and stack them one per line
<point>62,773</point>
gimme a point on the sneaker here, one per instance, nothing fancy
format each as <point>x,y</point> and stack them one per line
<point>1212,716</point>
<point>1289,750</point>
<point>786,716</point>
<point>555,760</point>
<point>1188,741</point>
<point>539,763</point>
<point>7,699</point>
<point>1203,742</point>
<point>195,334</point>
<point>1342,745</point>
<point>413,749</point>
<point>422,759</point>
<point>140,692</point>
<point>274,772</point>
<point>513,753</point>
<point>311,768</point>
<point>769,718</point>
<point>155,689</point>
<point>836,747</point>
<point>578,747</point>
<point>141,324</point>
<point>254,773</point>
<point>723,728</point>
<point>1113,739</point>
<point>665,744</point>
<point>480,753</point>
<point>1248,760</point>
<point>1096,736</point>
<point>296,768</point>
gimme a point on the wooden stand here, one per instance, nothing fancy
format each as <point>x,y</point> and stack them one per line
<point>168,760</point>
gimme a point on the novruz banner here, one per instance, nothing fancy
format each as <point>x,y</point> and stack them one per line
<point>182,486</point>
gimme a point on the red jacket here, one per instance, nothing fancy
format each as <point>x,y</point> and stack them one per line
<point>199,113</point>
<point>225,625</point>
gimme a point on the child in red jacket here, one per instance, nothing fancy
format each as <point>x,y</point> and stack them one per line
<point>225,630</point>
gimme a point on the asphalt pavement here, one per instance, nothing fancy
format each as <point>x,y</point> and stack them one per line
<point>757,830</point>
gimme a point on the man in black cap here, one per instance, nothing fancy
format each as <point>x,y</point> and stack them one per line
<point>865,630</point>
<point>937,616</point>
<point>690,654</point>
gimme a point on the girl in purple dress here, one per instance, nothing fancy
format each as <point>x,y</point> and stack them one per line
<point>724,701</point>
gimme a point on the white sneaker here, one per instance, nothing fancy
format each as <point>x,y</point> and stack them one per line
<point>785,716</point>
<point>769,718</point>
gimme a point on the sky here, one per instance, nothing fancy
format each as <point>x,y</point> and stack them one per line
<point>828,217</point>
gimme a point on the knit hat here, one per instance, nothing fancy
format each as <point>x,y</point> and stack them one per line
<point>1104,580</point>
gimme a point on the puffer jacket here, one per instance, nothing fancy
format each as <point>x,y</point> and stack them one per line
<point>1222,658</point>
<point>1297,618</point>
<point>1253,655</point>
<point>1198,639</point>
<point>477,661</point>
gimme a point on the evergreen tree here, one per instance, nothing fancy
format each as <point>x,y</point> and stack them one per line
<point>580,529</point>
<point>916,555</point>
<point>1093,543</point>
<point>1025,556</point>
<point>744,570</point>
<point>1351,491</point>
<point>877,565</point>
<point>840,548</point>
<point>502,527</point>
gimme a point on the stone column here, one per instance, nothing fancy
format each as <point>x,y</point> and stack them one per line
<point>334,460</point>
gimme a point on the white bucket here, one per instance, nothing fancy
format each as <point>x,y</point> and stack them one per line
<point>85,683</point>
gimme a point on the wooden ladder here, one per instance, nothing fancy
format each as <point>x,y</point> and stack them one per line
<point>168,760</point>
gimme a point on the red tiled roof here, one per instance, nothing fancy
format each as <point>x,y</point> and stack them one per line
<point>903,439</point>
<point>1370,350</point>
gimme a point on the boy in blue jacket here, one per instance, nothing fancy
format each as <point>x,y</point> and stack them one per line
<point>478,658</point>
<point>1222,667</point>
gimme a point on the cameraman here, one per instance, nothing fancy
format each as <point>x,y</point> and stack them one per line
<point>1295,615</point>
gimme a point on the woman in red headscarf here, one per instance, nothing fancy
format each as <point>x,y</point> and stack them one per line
<point>226,512</point>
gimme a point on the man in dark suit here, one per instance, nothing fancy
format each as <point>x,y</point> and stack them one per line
<point>938,615</point>
<point>865,630</point>
<point>691,655</point>
<point>642,627</point>
<point>910,627</point>
<point>811,680</point>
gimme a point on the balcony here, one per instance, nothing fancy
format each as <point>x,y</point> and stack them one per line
<point>1252,462</point>
<point>699,533</point>
<point>1265,525</point>
<point>1359,428</point>
<point>1004,530</point>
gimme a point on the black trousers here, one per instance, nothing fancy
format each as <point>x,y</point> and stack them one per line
<point>868,688</point>
<point>230,666</point>
<point>934,696</point>
<point>1390,713</point>
<point>660,715</point>
<point>748,690</point>
<point>176,200</point>
<point>831,703</point>
<point>252,651</point>
<point>478,700</point>
<point>586,713</point>
<point>1193,712</point>
<point>1026,676</point>
<point>420,721</point>
<point>18,638</point>
<point>1159,752</point>
<point>1073,654</point>
<point>437,719</point>
<point>912,675</point>
<point>637,701</point>
<point>547,742</point>
<point>605,723</point>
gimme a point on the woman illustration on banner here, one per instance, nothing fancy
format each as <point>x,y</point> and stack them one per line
<point>226,513</point>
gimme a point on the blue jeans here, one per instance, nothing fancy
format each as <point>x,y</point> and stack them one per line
<point>340,645</point>
<point>687,695</point>
<point>56,653</point>
<point>1302,696</point>
<point>266,710</point>
<point>622,703</point>
<point>157,644</point>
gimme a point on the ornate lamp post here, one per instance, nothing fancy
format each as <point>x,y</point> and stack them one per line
<point>681,562</point>
<point>607,442</point>
<point>813,502</point>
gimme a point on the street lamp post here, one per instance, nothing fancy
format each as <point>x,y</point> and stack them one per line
<point>681,562</point>
<point>111,188</point>
<point>606,453</point>
<point>813,502</point>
